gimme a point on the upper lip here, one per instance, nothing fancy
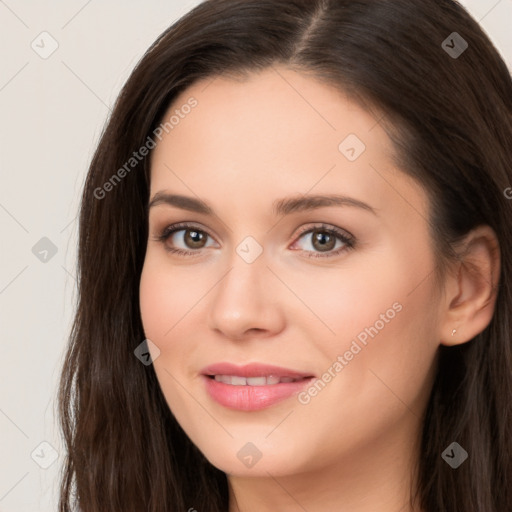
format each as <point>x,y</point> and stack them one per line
<point>253,370</point>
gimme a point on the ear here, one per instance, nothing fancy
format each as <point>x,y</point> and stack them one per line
<point>471,291</point>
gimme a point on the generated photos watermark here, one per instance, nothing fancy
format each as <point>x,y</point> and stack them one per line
<point>137,156</point>
<point>357,345</point>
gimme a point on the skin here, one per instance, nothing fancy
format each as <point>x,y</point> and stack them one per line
<point>247,144</point>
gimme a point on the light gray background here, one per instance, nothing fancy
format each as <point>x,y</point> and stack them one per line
<point>52,113</point>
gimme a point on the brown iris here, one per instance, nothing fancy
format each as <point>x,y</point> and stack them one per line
<point>195,239</point>
<point>326,240</point>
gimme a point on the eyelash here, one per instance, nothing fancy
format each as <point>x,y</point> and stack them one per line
<point>348,241</point>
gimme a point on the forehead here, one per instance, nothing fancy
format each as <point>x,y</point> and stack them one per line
<point>270,134</point>
<point>277,110</point>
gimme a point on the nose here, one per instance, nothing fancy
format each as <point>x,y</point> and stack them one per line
<point>247,302</point>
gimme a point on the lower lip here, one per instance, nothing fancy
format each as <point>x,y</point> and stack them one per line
<point>252,398</point>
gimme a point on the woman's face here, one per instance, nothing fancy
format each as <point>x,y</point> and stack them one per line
<point>338,293</point>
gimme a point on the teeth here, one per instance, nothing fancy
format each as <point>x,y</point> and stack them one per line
<point>256,381</point>
<point>273,380</point>
<point>236,380</point>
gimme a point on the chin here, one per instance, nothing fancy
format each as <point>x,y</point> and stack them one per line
<point>256,459</point>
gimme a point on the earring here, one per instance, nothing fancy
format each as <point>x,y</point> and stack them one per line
<point>454,331</point>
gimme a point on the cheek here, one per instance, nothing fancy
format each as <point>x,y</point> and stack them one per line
<point>165,297</point>
<point>384,315</point>
<point>154,302</point>
<point>376,295</point>
<point>384,321</point>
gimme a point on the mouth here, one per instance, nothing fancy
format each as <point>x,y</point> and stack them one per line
<point>252,387</point>
<point>237,380</point>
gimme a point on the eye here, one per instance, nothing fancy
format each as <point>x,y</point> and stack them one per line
<point>193,238</point>
<point>325,239</point>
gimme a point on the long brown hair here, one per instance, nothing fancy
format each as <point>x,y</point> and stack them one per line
<point>450,118</point>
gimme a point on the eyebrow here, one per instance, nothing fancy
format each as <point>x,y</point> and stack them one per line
<point>284,206</point>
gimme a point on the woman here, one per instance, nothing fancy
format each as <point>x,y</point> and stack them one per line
<point>294,285</point>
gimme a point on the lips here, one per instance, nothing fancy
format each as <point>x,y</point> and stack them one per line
<point>254,370</point>
<point>254,386</point>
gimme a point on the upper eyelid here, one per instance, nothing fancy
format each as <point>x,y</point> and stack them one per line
<point>183,226</point>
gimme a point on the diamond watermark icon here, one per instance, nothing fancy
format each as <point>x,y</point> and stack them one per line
<point>249,249</point>
<point>249,455</point>
<point>44,455</point>
<point>352,147</point>
<point>44,250</point>
<point>147,352</point>
<point>454,45</point>
<point>44,45</point>
<point>454,455</point>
